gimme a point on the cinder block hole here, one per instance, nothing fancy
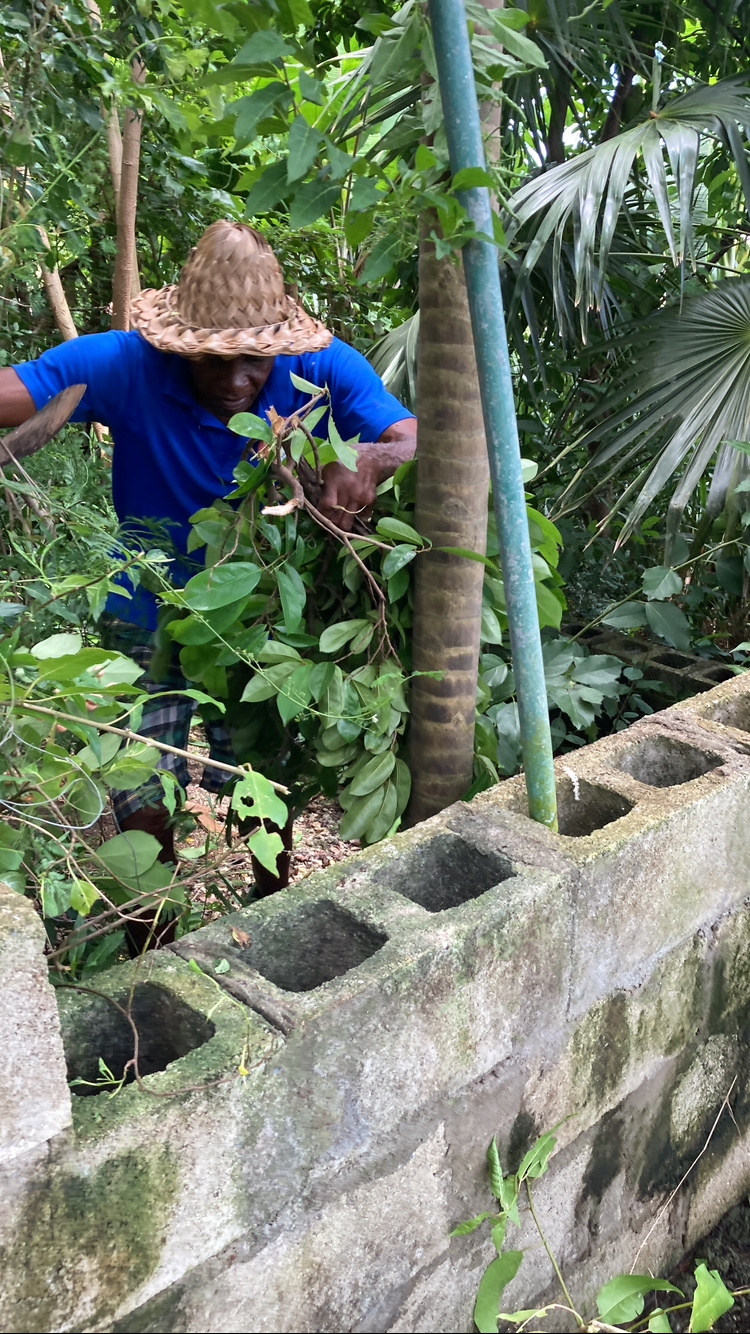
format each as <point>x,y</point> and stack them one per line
<point>677,660</point>
<point>445,872</point>
<point>718,673</point>
<point>302,949</point>
<point>661,761</point>
<point>93,1030</point>
<point>732,713</point>
<point>583,807</point>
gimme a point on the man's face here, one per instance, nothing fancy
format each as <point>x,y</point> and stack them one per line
<point>229,386</point>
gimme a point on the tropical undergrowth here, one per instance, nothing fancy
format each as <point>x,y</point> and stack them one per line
<point>296,633</point>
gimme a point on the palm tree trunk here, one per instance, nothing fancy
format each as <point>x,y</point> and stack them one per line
<point>451,510</point>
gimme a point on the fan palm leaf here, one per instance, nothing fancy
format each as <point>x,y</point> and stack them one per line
<point>394,357</point>
<point>691,383</point>
<point>590,189</point>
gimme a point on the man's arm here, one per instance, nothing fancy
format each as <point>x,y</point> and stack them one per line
<point>346,494</point>
<point>16,403</point>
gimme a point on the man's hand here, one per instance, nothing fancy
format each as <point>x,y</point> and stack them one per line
<point>346,495</point>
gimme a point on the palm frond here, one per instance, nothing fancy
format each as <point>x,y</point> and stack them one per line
<point>394,357</point>
<point>687,393</point>
<point>590,189</point>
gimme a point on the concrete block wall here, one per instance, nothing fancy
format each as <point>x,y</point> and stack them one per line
<point>476,976</point>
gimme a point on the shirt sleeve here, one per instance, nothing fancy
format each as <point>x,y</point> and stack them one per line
<point>103,362</point>
<point>360,403</point>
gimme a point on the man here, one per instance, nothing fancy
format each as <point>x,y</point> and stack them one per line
<point>223,340</point>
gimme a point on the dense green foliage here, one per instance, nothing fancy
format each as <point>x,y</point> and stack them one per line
<point>619,160</point>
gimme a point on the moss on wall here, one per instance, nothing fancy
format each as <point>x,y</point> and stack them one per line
<point>101,1233</point>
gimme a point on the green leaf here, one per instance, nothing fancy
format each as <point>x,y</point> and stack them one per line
<point>390,56</point>
<point>491,630</point>
<point>254,796</point>
<point>267,847</point>
<point>222,966</point>
<point>248,425</point>
<point>381,259</point>
<point>307,388</point>
<point>263,47</point>
<point>99,752</point>
<point>57,646</point>
<point>621,1299</point>
<point>712,1299</point>
<point>402,779</point>
<point>267,190</point>
<point>599,670</point>
<point>661,582</point>
<point>373,774</point>
<point>630,616</point>
<point>56,897</point>
<point>364,195</point>
<point>469,178</point>
<point>311,90</point>
<point>424,158</point>
<point>671,624</point>
<point>358,226</point>
<point>469,555</point>
<point>133,766</point>
<point>221,584</point>
<point>10,859</point>
<point>304,142</point>
<point>496,1171</point>
<point>293,596</point>
<point>471,1225</point>
<point>301,13</point>
<point>83,897</point>
<point>535,1162</point>
<point>398,531</point>
<point>250,110</point>
<point>397,559</point>
<point>294,695</point>
<point>498,1234</point>
<point>519,46</point>
<point>382,823</point>
<point>311,201</point>
<point>659,1322</point>
<point>361,813</point>
<point>127,856</point>
<point>335,636</point>
<point>257,689</point>
<point>495,1280</point>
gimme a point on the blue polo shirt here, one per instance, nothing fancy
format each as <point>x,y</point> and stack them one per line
<point>172,456</point>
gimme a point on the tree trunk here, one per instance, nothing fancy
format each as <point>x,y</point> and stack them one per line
<point>114,153</point>
<point>451,510</point>
<point>56,295</point>
<point>126,257</point>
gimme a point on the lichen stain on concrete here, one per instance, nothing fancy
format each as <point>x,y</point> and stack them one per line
<point>102,1234</point>
<point>601,1047</point>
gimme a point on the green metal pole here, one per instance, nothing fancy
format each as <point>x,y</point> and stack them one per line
<point>464,132</point>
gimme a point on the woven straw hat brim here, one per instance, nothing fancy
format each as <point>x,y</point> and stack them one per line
<point>154,315</point>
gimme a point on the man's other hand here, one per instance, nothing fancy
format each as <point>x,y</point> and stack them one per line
<point>348,496</point>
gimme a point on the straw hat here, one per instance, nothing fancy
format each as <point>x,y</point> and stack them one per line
<point>229,300</point>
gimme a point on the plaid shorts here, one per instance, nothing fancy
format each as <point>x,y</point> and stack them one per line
<point>165,719</point>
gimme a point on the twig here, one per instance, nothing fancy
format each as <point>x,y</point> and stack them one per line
<point>132,1064</point>
<point>552,1256</point>
<point>241,772</point>
<point>683,1179</point>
